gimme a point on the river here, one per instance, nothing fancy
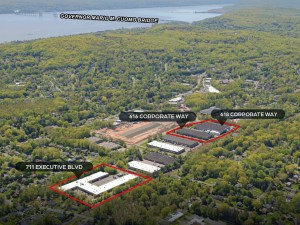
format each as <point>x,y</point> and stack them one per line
<point>21,27</point>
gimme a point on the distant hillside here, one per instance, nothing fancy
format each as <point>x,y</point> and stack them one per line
<point>8,6</point>
<point>276,20</point>
<point>272,3</point>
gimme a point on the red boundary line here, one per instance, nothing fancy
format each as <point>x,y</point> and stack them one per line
<point>172,132</point>
<point>52,187</point>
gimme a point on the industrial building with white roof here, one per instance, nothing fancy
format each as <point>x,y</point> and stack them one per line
<point>167,147</point>
<point>143,166</point>
<point>85,183</point>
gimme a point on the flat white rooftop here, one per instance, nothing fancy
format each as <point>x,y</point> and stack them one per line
<point>211,89</point>
<point>166,146</point>
<point>143,166</point>
<point>90,178</point>
<point>84,183</point>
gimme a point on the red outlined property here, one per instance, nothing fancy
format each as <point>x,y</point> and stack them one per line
<point>58,186</point>
<point>172,132</point>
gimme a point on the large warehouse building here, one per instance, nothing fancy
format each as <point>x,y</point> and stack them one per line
<point>159,158</point>
<point>167,147</point>
<point>85,184</point>
<point>137,165</point>
<point>195,133</point>
<point>180,141</point>
<point>92,178</point>
<point>213,128</point>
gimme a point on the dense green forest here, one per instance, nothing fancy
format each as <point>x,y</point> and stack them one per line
<point>53,92</point>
